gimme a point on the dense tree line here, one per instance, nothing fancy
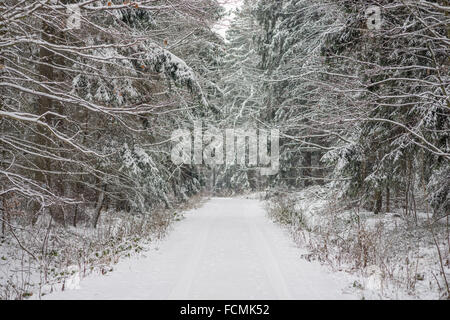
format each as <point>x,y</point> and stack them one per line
<point>360,94</point>
<point>86,111</point>
<point>359,90</point>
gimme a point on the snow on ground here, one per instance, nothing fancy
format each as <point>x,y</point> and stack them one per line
<point>387,256</point>
<point>227,249</point>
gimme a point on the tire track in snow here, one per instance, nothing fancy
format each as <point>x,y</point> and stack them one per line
<point>184,284</point>
<point>268,260</point>
<point>228,249</point>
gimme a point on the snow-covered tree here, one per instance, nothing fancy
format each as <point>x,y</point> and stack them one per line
<point>89,90</point>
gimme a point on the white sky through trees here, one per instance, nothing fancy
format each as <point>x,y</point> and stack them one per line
<point>224,24</point>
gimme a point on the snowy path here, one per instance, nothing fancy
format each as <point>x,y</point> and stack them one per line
<point>228,249</point>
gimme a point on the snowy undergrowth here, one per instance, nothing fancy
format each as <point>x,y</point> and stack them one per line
<point>36,260</point>
<point>390,256</point>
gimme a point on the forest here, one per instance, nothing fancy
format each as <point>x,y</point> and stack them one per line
<point>91,92</point>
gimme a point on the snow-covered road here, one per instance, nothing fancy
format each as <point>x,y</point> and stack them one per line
<point>227,249</point>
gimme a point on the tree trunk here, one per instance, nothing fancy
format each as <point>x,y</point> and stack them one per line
<point>75,216</point>
<point>3,216</point>
<point>214,179</point>
<point>388,200</point>
<point>378,202</point>
<point>98,207</point>
<point>251,177</point>
<point>307,164</point>
<point>44,105</point>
